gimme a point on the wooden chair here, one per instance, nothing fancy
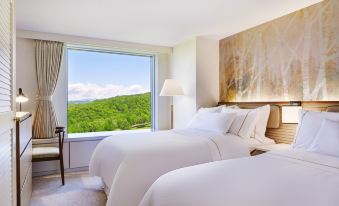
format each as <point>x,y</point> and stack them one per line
<point>52,153</point>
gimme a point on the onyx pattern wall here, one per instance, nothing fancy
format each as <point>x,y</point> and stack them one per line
<point>295,57</point>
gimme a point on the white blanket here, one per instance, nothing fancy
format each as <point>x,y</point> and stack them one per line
<point>285,178</point>
<point>129,164</point>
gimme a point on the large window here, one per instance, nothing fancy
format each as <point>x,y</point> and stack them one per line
<point>108,91</point>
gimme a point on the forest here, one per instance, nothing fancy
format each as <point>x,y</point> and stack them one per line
<point>117,113</point>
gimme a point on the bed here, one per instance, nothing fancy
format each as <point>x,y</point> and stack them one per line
<point>307,174</point>
<point>129,164</point>
<point>293,178</point>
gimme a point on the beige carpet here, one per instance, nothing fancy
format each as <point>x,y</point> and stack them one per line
<point>80,189</point>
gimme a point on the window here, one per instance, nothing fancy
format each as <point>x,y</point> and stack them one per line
<point>109,91</point>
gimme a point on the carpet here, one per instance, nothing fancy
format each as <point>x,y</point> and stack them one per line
<point>79,189</point>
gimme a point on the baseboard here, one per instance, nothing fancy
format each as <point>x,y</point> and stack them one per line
<point>53,172</point>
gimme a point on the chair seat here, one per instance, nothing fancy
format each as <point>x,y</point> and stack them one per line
<point>45,152</point>
<point>45,141</point>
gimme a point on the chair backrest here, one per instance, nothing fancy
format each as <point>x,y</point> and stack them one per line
<point>60,132</point>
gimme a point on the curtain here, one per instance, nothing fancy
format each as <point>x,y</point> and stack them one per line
<point>48,56</point>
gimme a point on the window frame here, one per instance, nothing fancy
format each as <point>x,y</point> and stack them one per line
<point>153,59</point>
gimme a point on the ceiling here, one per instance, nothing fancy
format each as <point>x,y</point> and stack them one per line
<point>157,22</point>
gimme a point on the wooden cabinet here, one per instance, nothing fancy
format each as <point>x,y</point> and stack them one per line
<point>24,157</point>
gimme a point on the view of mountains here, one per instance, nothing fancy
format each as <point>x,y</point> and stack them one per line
<point>116,113</point>
<point>80,101</point>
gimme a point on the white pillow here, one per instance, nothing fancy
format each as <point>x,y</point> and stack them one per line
<point>260,126</point>
<point>309,125</point>
<point>244,122</point>
<point>217,122</point>
<point>211,109</point>
<point>327,139</point>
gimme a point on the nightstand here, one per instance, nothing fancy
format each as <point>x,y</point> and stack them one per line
<point>271,147</point>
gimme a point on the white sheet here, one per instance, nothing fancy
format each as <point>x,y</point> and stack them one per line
<point>129,164</point>
<point>284,178</point>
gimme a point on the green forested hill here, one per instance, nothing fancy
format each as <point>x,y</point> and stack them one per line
<point>116,113</point>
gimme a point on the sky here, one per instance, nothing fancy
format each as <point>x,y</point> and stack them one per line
<point>99,75</point>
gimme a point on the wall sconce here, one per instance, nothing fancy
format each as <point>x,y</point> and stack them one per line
<point>290,113</point>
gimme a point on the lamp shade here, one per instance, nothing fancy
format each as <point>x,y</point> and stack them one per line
<point>290,114</point>
<point>171,87</point>
<point>21,97</point>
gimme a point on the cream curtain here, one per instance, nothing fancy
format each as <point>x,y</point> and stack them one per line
<point>48,55</point>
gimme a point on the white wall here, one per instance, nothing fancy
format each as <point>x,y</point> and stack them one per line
<point>207,72</point>
<point>26,75</point>
<point>25,72</point>
<point>162,120</point>
<point>183,68</point>
<point>195,63</point>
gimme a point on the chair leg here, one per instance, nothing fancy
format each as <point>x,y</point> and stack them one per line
<point>62,169</point>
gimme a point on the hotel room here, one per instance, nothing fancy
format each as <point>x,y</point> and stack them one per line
<point>169,103</point>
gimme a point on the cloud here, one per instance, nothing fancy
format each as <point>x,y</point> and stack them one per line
<point>80,91</point>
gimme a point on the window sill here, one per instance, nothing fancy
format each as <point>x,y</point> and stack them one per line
<point>89,136</point>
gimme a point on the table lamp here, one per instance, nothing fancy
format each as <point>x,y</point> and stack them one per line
<point>21,98</point>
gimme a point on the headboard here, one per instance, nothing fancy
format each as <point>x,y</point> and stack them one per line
<point>281,132</point>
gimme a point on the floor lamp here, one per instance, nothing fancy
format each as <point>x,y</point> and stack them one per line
<point>171,88</point>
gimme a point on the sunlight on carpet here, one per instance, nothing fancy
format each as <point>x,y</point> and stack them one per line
<point>79,189</point>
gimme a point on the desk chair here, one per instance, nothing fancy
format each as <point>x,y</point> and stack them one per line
<point>52,153</point>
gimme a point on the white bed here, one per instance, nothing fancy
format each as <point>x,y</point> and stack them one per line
<point>280,178</point>
<point>129,164</point>
<point>307,174</point>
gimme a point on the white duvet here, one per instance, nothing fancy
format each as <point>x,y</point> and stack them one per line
<point>129,164</point>
<point>285,178</point>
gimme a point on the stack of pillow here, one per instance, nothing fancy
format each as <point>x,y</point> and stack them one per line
<point>318,132</point>
<point>246,123</point>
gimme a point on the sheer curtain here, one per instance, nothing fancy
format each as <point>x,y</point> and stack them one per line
<point>48,56</point>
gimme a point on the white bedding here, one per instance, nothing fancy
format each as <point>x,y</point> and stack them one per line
<point>253,142</point>
<point>281,178</point>
<point>129,164</point>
